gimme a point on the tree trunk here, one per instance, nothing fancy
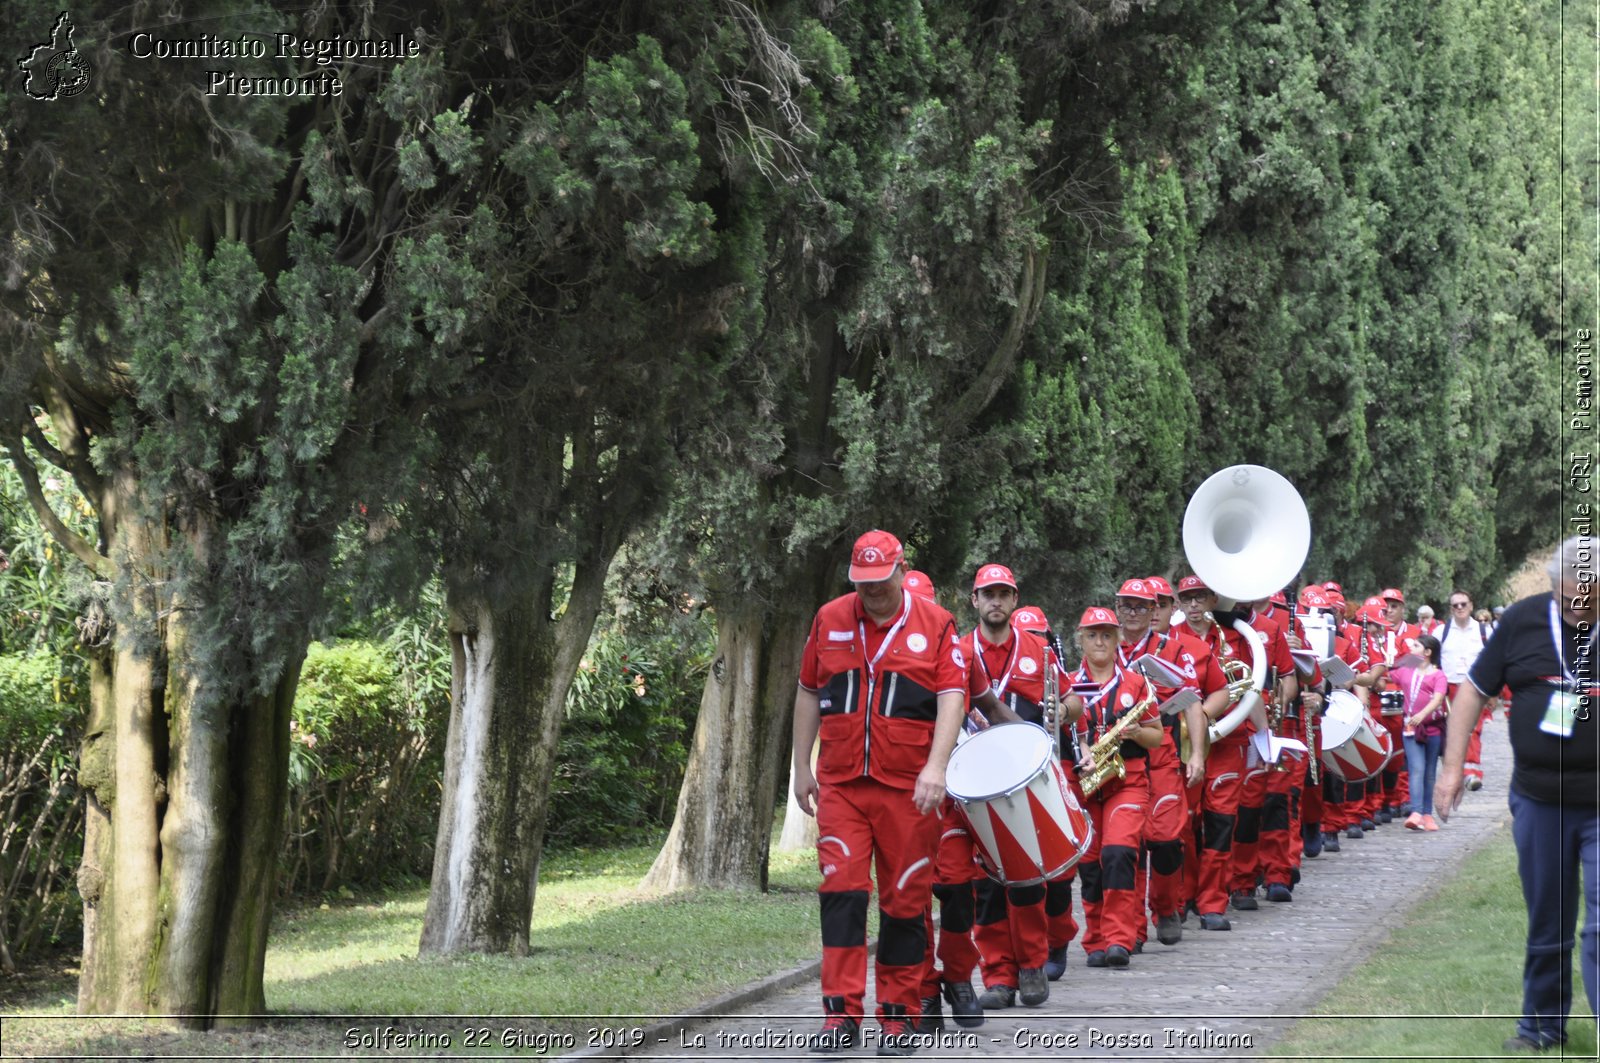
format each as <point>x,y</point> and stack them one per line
<point>723,825</point>
<point>186,791</point>
<point>799,830</point>
<point>511,669</point>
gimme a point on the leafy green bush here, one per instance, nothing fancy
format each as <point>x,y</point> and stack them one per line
<point>41,832</point>
<point>365,760</point>
<point>630,713</point>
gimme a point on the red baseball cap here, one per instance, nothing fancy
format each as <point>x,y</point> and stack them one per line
<point>1334,587</point>
<point>994,576</point>
<point>1312,598</point>
<point>1373,603</point>
<point>1371,615</point>
<point>1280,599</point>
<point>1137,588</point>
<point>917,582</point>
<point>1192,583</point>
<point>1030,618</point>
<point>1098,616</point>
<point>1390,593</point>
<point>875,557</point>
<point>1162,588</point>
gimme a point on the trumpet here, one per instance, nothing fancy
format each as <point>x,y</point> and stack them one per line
<point>1107,751</point>
<point>1052,701</point>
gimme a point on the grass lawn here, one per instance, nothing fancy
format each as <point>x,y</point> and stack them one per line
<point>599,947</point>
<point>1447,984</point>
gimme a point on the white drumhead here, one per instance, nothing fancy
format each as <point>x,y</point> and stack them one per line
<point>996,761</point>
<point>1342,720</point>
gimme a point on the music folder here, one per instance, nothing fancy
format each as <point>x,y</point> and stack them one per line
<point>1157,671</point>
<point>1270,748</point>
<point>1179,702</point>
<point>1337,672</point>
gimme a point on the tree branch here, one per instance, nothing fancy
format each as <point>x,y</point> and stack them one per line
<point>70,540</point>
<point>1030,295</point>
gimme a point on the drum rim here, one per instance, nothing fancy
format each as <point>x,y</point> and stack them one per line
<point>1044,762</point>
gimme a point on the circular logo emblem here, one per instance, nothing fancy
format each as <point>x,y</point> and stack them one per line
<point>955,655</point>
<point>1027,666</point>
<point>917,642</point>
<point>1127,700</point>
<point>871,556</point>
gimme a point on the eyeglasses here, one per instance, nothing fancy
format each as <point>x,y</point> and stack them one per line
<point>1193,596</point>
<point>1461,605</point>
<point>1134,607</point>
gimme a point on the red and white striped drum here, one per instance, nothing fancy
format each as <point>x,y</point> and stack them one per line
<point>1018,805</point>
<point>1355,746</point>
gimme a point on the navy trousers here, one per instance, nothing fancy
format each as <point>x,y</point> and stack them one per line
<point>1555,842</point>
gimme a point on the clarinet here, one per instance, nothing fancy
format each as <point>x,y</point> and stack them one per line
<point>1068,750</point>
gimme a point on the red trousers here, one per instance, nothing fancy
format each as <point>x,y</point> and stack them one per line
<point>1247,830</point>
<point>1217,798</point>
<point>1164,831</point>
<point>1396,780</point>
<point>955,876</point>
<point>1278,853</point>
<point>1112,912</point>
<point>864,827</point>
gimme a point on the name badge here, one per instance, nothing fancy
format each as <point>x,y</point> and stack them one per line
<point>1559,714</point>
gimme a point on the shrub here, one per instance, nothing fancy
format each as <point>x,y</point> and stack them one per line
<point>41,834</point>
<point>365,759</point>
<point>630,713</point>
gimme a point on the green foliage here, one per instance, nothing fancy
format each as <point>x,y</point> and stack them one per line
<point>365,759</point>
<point>630,712</point>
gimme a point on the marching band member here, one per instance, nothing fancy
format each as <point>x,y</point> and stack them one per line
<point>1279,852</point>
<point>1341,800</point>
<point>1061,926</point>
<point>1112,913</point>
<point>1374,651</point>
<point>1170,776</point>
<point>1011,926</point>
<point>883,683</point>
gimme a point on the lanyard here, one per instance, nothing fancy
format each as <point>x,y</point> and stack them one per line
<point>998,686</point>
<point>900,622</point>
<point>1558,639</point>
<point>1097,700</point>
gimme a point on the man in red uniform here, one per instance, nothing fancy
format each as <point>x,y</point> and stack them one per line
<point>1374,647</point>
<point>1170,775</point>
<point>1012,927</point>
<point>1112,913</point>
<point>1062,927</point>
<point>1280,849</point>
<point>1217,795</point>
<point>884,683</point>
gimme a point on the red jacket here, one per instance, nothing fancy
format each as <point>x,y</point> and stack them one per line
<point>878,687</point>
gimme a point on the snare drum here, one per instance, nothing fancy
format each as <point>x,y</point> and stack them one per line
<point>1019,807</point>
<point>1355,746</point>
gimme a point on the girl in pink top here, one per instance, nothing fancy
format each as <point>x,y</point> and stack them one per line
<point>1425,711</point>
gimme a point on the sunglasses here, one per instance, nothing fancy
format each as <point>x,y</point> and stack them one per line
<point>1461,605</point>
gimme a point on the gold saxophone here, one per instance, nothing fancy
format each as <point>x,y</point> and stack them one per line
<point>1107,752</point>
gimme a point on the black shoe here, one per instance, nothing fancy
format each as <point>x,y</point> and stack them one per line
<point>1405,810</point>
<point>1384,816</point>
<point>838,1033</point>
<point>1294,877</point>
<point>1279,892</point>
<point>896,1036</point>
<point>1245,900</point>
<point>1055,964</point>
<point>1474,784</point>
<point>1033,988</point>
<point>932,1019</point>
<point>1355,832</point>
<point>1169,930</point>
<point>1312,848</point>
<point>1138,947</point>
<point>1520,1043</point>
<point>1330,842</point>
<point>1215,921</point>
<point>964,1006</point>
<point>1368,824</point>
<point>996,997</point>
<point>1097,958</point>
<point>1116,956</point>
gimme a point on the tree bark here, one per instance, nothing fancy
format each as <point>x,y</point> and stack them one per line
<point>723,827</point>
<point>511,668</point>
<point>186,787</point>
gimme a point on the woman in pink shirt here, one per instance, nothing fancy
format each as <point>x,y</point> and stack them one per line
<point>1425,712</point>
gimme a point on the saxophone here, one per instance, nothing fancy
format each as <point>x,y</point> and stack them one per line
<point>1107,751</point>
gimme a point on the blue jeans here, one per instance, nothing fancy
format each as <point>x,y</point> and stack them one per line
<point>1553,843</point>
<point>1422,762</point>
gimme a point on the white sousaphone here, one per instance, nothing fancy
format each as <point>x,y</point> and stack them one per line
<point>1246,533</point>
